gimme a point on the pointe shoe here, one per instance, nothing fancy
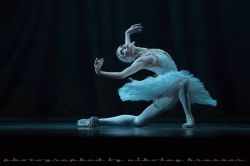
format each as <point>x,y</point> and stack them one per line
<point>188,125</point>
<point>83,122</point>
<point>91,122</point>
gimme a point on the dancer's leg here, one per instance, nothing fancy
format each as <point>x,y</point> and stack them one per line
<point>180,89</point>
<point>184,96</point>
<point>118,120</point>
<point>150,113</point>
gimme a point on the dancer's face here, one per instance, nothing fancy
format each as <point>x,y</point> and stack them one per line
<point>128,49</point>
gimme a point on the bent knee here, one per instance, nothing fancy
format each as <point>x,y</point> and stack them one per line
<point>184,83</point>
<point>156,104</point>
<point>165,103</point>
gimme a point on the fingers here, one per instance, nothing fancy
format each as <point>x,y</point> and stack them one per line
<point>99,65</point>
<point>137,28</point>
<point>98,69</point>
<point>97,61</point>
<point>139,24</point>
<point>101,61</point>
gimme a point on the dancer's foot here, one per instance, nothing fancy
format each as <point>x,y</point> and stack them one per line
<point>189,123</point>
<point>91,122</point>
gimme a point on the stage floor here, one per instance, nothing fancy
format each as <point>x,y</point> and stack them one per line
<point>206,141</point>
<point>151,130</point>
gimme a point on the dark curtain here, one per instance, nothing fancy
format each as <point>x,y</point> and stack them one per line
<point>47,50</point>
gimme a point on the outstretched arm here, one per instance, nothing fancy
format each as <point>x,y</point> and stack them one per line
<point>136,28</point>
<point>136,66</point>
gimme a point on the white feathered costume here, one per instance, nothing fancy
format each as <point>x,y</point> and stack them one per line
<point>167,74</point>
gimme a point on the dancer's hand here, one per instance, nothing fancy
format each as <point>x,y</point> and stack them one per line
<point>136,28</point>
<point>98,65</point>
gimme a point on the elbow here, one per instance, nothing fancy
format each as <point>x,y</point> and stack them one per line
<point>121,76</point>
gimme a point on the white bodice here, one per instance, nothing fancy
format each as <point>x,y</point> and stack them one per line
<point>166,63</point>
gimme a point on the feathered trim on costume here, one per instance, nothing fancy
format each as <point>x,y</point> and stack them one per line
<point>152,87</point>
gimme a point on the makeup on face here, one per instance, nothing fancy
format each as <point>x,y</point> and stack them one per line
<point>127,49</point>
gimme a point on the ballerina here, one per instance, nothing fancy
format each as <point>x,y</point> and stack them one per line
<point>164,89</point>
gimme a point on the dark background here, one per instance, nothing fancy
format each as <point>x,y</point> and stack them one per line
<point>47,50</point>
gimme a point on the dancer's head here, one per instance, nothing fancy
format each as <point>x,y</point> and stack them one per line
<point>126,52</point>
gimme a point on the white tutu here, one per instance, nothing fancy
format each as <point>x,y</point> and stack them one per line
<point>152,87</point>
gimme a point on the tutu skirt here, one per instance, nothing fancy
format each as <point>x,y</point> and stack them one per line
<point>153,87</point>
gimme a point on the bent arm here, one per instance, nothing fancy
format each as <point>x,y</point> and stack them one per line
<point>136,28</point>
<point>123,74</point>
<point>136,66</point>
<point>127,38</point>
<point>115,75</point>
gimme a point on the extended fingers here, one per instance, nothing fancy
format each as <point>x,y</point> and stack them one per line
<point>137,28</point>
<point>98,68</point>
<point>101,61</point>
<point>139,24</point>
<point>99,64</point>
<point>97,61</point>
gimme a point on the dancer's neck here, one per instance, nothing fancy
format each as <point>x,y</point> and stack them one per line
<point>140,50</point>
